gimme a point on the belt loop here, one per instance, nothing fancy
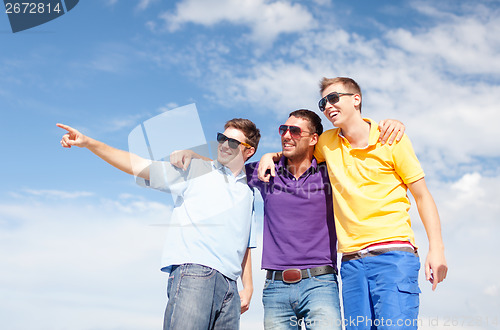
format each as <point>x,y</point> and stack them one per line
<point>309,272</point>
<point>272,278</point>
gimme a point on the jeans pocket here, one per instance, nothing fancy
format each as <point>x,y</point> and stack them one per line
<point>197,270</point>
<point>409,297</point>
<point>326,278</point>
<point>169,284</point>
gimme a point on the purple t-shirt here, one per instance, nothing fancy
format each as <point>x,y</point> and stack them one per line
<point>299,229</point>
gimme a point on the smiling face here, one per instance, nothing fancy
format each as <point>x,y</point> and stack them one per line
<point>229,157</point>
<point>345,109</point>
<point>297,148</point>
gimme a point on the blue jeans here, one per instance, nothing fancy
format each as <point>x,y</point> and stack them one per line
<point>200,298</point>
<point>313,302</point>
<point>381,292</point>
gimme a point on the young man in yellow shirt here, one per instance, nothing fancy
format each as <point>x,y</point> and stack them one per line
<point>380,263</point>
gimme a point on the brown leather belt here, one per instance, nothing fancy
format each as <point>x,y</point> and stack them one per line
<point>294,275</point>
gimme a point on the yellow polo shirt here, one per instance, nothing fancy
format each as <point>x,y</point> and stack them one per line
<point>369,188</point>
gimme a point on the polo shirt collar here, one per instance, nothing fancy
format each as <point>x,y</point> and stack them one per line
<point>281,166</point>
<point>374,132</point>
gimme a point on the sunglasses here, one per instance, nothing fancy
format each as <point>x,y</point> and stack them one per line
<point>232,143</point>
<point>295,131</point>
<point>331,98</point>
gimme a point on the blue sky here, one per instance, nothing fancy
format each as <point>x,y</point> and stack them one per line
<point>78,241</point>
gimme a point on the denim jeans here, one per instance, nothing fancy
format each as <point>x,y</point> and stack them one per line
<point>381,292</point>
<point>313,302</point>
<point>200,298</point>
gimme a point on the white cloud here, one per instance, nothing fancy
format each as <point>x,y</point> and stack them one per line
<point>469,43</point>
<point>468,187</point>
<point>124,122</point>
<point>58,194</point>
<point>492,290</point>
<point>167,107</point>
<point>144,4</point>
<point>266,19</point>
<point>109,61</point>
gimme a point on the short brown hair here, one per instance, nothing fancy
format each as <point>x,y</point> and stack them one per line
<point>314,120</point>
<point>251,132</point>
<point>349,84</point>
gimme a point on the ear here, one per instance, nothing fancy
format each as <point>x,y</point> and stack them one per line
<point>357,100</point>
<point>248,152</point>
<point>314,139</point>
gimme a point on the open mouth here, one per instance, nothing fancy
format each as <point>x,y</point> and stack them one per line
<point>287,145</point>
<point>333,114</point>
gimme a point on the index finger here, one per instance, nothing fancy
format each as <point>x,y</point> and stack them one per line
<point>434,282</point>
<point>66,127</point>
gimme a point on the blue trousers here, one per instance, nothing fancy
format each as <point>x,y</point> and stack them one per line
<point>313,302</point>
<point>200,298</point>
<point>381,292</point>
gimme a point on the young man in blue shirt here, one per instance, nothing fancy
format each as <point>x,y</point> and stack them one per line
<point>210,232</point>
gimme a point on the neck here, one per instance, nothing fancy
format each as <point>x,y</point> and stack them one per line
<point>235,168</point>
<point>235,165</point>
<point>357,132</point>
<point>297,167</point>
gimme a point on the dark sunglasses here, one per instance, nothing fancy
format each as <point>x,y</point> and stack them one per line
<point>295,131</point>
<point>331,98</point>
<point>232,143</point>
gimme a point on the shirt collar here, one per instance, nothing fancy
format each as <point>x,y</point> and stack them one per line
<point>226,171</point>
<point>374,132</point>
<point>282,164</point>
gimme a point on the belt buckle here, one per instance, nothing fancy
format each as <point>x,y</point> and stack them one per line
<point>292,275</point>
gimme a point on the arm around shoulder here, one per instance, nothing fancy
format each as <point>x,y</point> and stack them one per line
<point>266,165</point>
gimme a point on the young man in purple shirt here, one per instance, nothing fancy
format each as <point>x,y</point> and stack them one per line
<point>299,244</point>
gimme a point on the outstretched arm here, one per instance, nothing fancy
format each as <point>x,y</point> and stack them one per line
<point>122,160</point>
<point>435,264</point>
<point>246,280</point>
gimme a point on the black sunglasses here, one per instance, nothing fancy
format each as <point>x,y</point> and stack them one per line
<point>295,131</point>
<point>232,143</point>
<point>331,98</point>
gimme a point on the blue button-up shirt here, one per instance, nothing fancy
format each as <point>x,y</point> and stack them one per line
<point>212,220</point>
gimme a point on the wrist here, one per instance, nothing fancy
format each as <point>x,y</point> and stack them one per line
<point>87,142</point>
<point>437,247</point>
<point>248,288</point>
